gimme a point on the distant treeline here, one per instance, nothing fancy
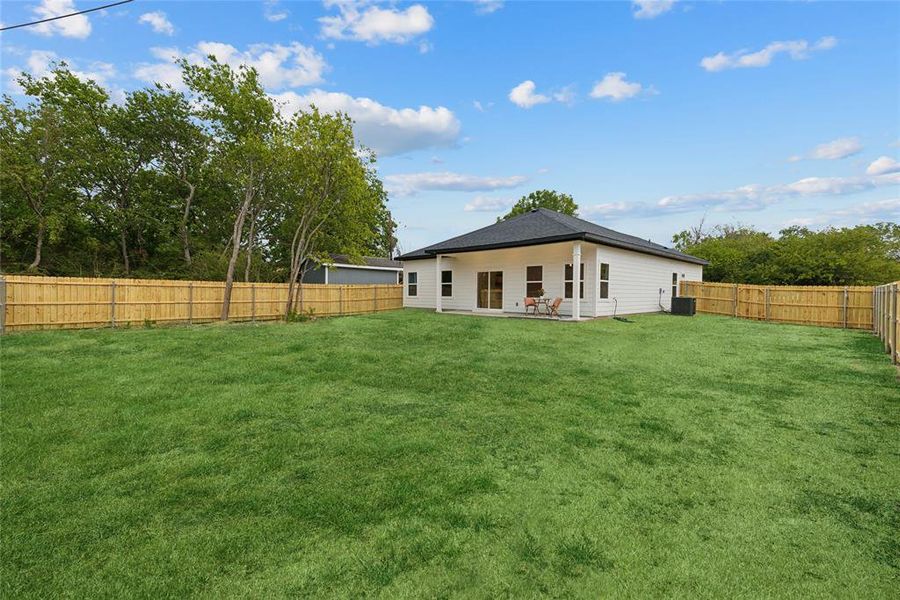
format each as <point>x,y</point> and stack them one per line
<point>210,183</point>
<point>861,255</point>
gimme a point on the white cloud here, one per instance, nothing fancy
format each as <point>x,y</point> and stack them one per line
<point>615,88</point>
<point>409,184</point>
<point>386,130</point>
<point>565,95</point>
<point>272,12</point>
<point>158,21</point>
<point>374,24</point>
<point>610,209</point>
<point>756,196</point>
<point>837,149</point>
<point>865,212</point>
<point>833,150</point>
<point>279,66</point>
<point>482,107</point>
<point>488,204</point>
<point>796,49</point>
<point>78,26</point>
<point>650,9</point>
<point>883,165</point>
<point>486,7</point>
<point>524,96</point>
<point>40,62</point>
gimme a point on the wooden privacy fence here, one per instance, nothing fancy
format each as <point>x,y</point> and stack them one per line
<point>887,320</point>
<point>835,306</point>
<point>78,302</point>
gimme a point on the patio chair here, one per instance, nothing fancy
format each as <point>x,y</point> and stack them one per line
<point>530,303</point>
<point>553,309</point>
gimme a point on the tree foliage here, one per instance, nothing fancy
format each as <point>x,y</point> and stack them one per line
<point>172,184</point>
<point>563,203</point>
<point>861,255</point>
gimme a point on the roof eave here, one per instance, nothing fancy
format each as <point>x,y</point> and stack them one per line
<point>500,245</point>
<point>597,239</point>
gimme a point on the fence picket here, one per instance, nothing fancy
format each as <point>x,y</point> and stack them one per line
<point>38,302</point>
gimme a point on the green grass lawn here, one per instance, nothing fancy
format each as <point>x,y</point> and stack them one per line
<point>412,454</point>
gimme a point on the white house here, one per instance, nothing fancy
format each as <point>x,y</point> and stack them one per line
<point>495,268</point>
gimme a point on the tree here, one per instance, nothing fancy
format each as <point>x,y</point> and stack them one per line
<point>38,143</point>
<point>861,255</point>
<point>179,149</point>
<point>550,199</point>
<point>180,184</point>
<point>326,184</point>
<point>34,163</point>
<point>242,121</point>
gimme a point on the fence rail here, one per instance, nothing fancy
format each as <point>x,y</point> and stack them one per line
<point>886,299</point>
<point>31,302</point>
<point>850,307</point>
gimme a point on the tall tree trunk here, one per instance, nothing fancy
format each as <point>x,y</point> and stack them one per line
<point>37,247</point>
<point>124,245</point>
<point>250,240</point>
<point>185,240</point>
<point>236,235</point>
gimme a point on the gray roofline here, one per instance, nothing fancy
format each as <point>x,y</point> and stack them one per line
<point>566,228</point>
<point>425,253</point>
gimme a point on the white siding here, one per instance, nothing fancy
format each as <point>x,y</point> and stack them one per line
<point>635,278</point>
<point>425,293</point>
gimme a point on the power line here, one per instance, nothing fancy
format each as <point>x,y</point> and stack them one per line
<point>80,12</point>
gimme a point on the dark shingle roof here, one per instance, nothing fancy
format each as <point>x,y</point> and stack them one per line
<point>367,261</point>
<point>543,226</point>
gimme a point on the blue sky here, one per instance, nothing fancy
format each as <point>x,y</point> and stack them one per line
<point>651,114</point>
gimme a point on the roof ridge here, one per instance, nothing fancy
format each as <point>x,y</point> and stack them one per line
<point>494,224</point>
<point>553,214</point>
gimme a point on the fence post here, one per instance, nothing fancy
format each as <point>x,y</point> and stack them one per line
<point>112,303</point>
<point>894,319</point>
<point>341,300</point>
<point>734,301</point>
<point>844,316</point>
<point>767,304</point>
<point>875,310</point>
<point>889,318</point>
<point>2,305</point>
<point>191,303</point>
<point>253,302</point>
<point>375,298</point>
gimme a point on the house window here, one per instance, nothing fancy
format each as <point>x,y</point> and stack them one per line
<point>674,284</point>
<point>569,282</point>
<point>412,287</point>
<point>447,284</point>
<point>604,280</point>
<point>534,281</point>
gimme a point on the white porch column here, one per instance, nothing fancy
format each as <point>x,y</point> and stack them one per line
<point>576,280</point>
<point>437,284</point>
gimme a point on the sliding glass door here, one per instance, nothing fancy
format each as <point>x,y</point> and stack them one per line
<point>490,290</point>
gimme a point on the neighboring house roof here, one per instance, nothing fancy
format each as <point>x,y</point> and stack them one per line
<point>544,226</point>
<point>345,260</point>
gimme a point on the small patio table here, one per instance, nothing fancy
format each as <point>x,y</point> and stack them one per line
<point>539,302</point>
